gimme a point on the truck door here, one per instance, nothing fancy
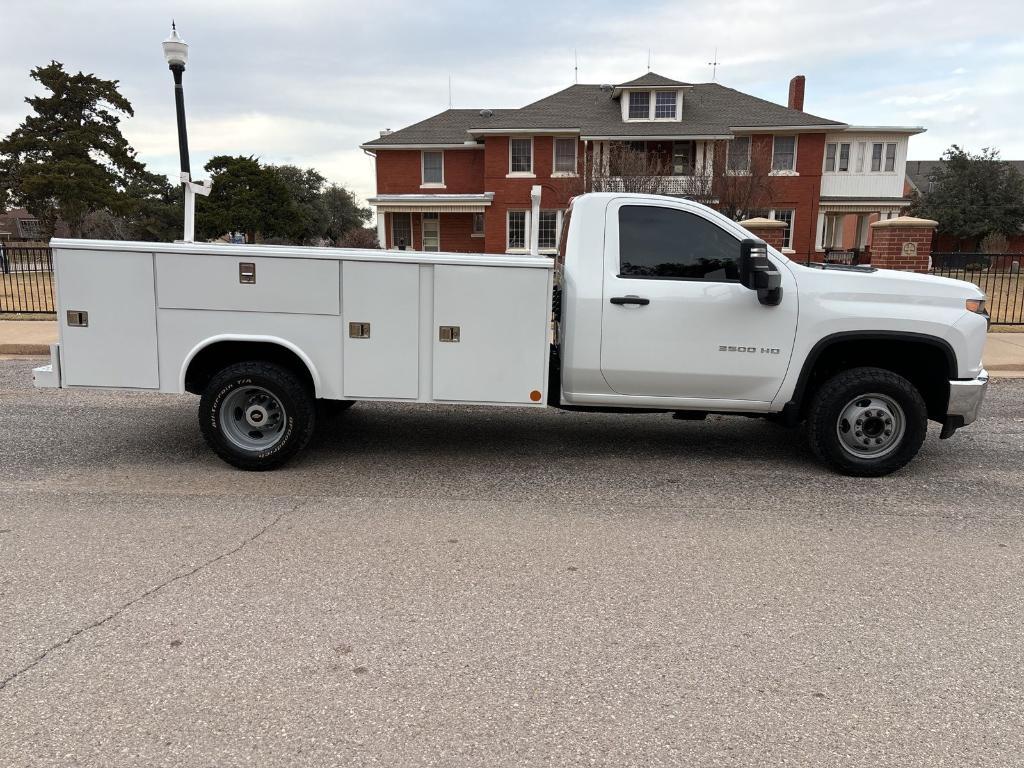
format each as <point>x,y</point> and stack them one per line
<point>675,321</point>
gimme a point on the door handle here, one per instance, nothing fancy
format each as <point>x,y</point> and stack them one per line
<point>620,300</point>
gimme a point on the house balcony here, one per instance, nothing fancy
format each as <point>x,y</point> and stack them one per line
<point>697,187</point>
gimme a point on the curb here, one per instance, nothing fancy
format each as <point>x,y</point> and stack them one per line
<point>35,350</point>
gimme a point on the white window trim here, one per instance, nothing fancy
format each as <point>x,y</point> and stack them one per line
<point>575,157</point>
<point>558,231</point>
<point>796,150</point>
<point>526,230</point>
<point>423,173</point>
<point>787,249</point>
<point>531,174</point>
<point>652,106</point>
<point>423,232</point>
<point>478,234</point>
<point>881,166</point>
<point>394,240</point>
<point>839,151</point>
<point>728,154</point>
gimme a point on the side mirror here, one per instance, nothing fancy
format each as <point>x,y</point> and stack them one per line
<point>758,274</point>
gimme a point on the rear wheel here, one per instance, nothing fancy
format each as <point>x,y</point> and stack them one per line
<point>256,415</point>
<point>867,422</point>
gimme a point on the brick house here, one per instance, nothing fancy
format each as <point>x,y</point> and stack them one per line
<point>498,180</point>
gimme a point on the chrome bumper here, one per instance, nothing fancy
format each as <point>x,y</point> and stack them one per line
<point>965,399</point>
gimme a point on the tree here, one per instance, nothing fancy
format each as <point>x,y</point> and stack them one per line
<point>69,159</point>
<point>973,195</point>
<point>359,237</point>
<point>306,188</point>
<point>245,197</point>
<point>343,212</point>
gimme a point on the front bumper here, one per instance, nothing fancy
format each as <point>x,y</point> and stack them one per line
<point>965,399</point>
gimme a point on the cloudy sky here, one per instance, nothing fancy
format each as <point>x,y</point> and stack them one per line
<point>307,81</point>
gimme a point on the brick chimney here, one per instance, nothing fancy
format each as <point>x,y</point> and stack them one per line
<point>796,92</point>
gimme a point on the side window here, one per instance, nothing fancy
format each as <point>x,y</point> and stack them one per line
<point>667,243</point>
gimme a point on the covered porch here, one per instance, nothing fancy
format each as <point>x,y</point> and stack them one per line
<point>425,222</point>
<point>844,226</point>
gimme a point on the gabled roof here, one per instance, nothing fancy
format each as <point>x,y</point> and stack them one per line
<point>709,110</point>
<point>652,80</point>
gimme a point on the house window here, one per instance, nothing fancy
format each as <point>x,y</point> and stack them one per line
<point>516,229</point>
<point>876,157</point>
<point>837,157</point>
<point>787,233</point>
<point>433,168</point>
<point>431,232</point>
<point>639,105</point>
<point>683,153</point>
<point>565,155</point>
<point>830,157</point>
<point>833,231</point>
<point>478,225</point>
<point>890,157</point>
<point>784,153</point>
<point>665,104</point>
<point>547,230</point>
<point>861,148</point>
<point>666,243</point>
<point>844,157</point>
<point>739,154</point>
<point>401,230</point>
<point>520,156</point>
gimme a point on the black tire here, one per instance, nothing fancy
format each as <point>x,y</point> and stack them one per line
<point>851,389</point>
<point>292,395</point>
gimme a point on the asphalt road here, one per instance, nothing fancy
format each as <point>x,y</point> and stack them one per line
<point>432,586</point>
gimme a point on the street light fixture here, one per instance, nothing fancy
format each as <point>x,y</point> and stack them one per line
<point>176,55</point>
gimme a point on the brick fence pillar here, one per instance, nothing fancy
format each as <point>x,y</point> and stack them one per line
<point>769,230</point>
<point>902,243</point>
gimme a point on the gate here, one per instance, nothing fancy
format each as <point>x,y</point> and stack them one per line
<point>997,274</point>
<point>26,279</point>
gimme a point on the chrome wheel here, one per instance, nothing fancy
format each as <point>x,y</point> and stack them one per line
<point>253,418</point>
<point>871,426</point>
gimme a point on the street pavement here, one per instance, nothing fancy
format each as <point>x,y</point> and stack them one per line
<point>435,586</point>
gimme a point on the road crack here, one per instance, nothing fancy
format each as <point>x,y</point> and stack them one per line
<point>148,593</point>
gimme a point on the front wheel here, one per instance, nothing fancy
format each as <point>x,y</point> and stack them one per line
<point>256,415</point>
<point>867,422</point>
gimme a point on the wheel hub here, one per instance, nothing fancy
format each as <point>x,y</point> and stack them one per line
<point>871,426</point>
<point>253,418</point>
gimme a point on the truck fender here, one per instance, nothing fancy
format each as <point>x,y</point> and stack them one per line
<point>313,372</point>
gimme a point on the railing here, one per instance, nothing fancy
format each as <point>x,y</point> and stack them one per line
<point>997,274</point>
<point>26,279</point>
<point>684,186</point>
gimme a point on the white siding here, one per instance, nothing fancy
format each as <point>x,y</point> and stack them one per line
<point>866,183</point>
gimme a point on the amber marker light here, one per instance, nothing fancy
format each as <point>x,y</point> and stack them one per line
<point>535,396</point>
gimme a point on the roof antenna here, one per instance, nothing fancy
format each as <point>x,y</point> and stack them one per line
<point>714,65</point>
<point>449,90</point>
<point>575,67</point>
<point>648,59</point>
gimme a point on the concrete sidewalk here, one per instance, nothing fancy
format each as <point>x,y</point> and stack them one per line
<point>1004,352</point>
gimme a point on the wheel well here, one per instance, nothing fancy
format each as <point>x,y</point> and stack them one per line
<point>221,354</point>
<point>927,364</point>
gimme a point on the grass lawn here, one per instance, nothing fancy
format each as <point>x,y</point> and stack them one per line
<point>26,292</point>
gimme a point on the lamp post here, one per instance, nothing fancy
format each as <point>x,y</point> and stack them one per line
<point>176,55</point>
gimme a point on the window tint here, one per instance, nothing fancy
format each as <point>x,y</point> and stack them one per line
<point>657,242</point>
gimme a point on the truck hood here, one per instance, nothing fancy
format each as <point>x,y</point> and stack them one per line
<point>886,284</point>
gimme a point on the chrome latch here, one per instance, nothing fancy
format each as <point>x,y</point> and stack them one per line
<point>359,330</point>
<point>78,319</point>
<point>448,333</point>
<point>246,272</point>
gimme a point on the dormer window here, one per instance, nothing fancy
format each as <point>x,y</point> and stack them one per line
<point>665,104</point>
<point>640,105</point>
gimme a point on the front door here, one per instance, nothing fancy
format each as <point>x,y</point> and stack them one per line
<point>676,322</point>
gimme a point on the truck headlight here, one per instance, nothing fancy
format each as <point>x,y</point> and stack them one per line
<point>977,306</point>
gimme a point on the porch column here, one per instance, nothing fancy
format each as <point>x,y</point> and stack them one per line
<point>769,230</point>
<point>902,243</point>
<point>534,223</point>
<point>819,237</point>
<point>382,229</point>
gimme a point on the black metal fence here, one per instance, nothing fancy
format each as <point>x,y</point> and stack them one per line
<point>26,279</point>
<point>997,274</point>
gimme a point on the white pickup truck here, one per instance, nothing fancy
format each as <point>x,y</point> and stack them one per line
<point>660,304</point>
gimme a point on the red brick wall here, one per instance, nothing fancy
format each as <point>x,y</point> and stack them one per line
<point>399,172</point>
<point>801,192</point>
<point>887,248</point>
